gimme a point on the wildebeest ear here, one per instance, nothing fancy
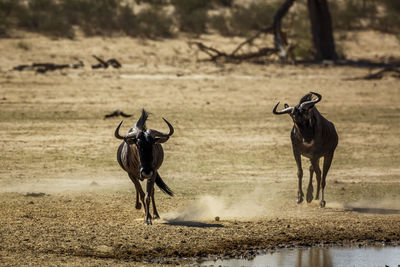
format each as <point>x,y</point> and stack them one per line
<point>130,141</point>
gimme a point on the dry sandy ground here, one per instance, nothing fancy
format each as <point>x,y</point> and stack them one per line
<point>229,156</point>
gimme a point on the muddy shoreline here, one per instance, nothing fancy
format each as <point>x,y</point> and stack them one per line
<point>251,254</point>
<point>106,228</point>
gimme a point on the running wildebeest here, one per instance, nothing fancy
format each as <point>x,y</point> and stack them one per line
<point>314,137</point>
<point>141,155</point>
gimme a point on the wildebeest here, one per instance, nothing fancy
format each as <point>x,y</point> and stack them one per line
<point>141,155</point>
<point>314,137</point>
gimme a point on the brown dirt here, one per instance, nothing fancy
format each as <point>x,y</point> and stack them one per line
<point>230,157</point>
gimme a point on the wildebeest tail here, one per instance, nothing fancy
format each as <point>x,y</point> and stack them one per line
<point>160,183</point>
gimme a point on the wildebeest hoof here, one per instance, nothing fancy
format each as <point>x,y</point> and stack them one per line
<point>138,206</point>
<point>299,200</point>
<point>322,203</point>
<point>156,217</point>
<point>310,191</point>
<point>147,222</point>
<point>309,196</point>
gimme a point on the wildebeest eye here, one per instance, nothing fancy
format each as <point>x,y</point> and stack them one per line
<point>139,142</point>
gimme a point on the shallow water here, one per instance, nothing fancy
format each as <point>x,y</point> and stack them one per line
<point>320,257</point>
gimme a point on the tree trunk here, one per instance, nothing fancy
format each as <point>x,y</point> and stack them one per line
<point>280,40</point>
<point>321,28</point>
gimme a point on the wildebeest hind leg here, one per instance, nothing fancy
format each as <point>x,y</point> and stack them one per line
<point>310,188</point>
<point>327,165</point>
<point>318,174</point>
<point>138,205</point>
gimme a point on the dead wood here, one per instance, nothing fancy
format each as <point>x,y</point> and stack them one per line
<point>380,74</point>
<point>78,65</point>
<point>104,64</point>
<point>281,46</point>
<point>117,113</point>
<point>21,67</point>
<point>44,67</point>
<point>115,63</point>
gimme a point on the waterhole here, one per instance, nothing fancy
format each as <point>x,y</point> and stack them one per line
<point>319,257</point>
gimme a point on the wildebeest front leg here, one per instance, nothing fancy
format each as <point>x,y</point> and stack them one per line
<point>149,189</point>
<point>155,213</point>
<point>139,192</point>
<point>314,168</point>
<point>300,193</point>
<point>327,165</point>
<point>138,206</point>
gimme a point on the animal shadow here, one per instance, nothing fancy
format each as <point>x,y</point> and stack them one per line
<point>193,224</point>
<point>372,210</point>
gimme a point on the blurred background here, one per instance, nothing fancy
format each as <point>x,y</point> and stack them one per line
<point>156,19</point>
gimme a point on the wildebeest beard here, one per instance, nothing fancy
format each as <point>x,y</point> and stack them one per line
<point>306,130</point>
<point>145,149</point>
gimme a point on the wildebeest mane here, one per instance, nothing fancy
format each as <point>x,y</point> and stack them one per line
<point>141,123</point>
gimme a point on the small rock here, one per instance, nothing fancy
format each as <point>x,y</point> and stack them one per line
<point>217,218</point>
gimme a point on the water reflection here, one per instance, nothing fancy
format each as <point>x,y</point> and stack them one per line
<point>312,257</point>
<point>320,257</point>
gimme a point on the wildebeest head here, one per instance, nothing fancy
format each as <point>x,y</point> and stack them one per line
<point>301,114</point>
<point>144,139</point>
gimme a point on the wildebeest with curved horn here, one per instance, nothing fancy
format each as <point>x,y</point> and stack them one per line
<point>314,137</point>
<point>141,155</point>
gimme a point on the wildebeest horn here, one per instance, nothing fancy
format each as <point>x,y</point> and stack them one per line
<point>131,134</point>
<point>163,136</point>
<point>141,123</point>
<point>171,129</point>
<point>117,135</point>
<point>283,111</point>
<point>308,104</point>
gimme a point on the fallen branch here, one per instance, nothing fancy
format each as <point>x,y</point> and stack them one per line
<point>233,57</point>
<point>117,113</point>
<point>281,46</point>
<point>104,64</point>
<point>251,39</point>
<point>379,74</point>
<point>44,67</point>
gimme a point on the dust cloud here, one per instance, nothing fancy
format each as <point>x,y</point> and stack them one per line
<point>258,203</point>
<point>381,206</point>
